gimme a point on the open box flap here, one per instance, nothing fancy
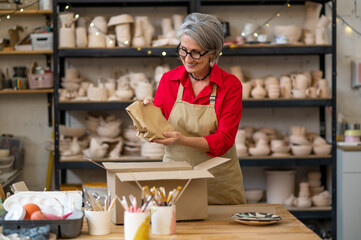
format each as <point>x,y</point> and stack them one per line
<point>164,175</point>
<point>149,166</point>
<point>211,163</point>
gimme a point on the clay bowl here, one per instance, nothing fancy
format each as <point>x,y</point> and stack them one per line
<point>301,150</point>
<point>259,151</point>
<point>321,200</point>
<point>4,153</point>
<point>299,140</point>
<point>253,195</point>
<point>71,132</point>
<point>292,32</point>
<point>319,141</point>
<point>281,149</point>
<point>322,149</point>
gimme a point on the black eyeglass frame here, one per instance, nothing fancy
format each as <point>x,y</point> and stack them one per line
<point>190,53</point>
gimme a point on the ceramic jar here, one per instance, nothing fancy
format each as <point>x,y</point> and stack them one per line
<point>258,92</point>
<point>280,185</point>
<point>144,90</point>
<point>124,93</point>
<point>122,25</point>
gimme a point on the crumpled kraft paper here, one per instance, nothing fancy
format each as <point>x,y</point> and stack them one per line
<point>148,120</point>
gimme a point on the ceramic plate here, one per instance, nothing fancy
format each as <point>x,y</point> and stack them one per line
<point>256,218</point>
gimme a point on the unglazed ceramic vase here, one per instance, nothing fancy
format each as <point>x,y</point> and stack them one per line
<point>138,37</point>
<point>313,11</point>
<point>67,37</point>
<point>258,92</point>
<point>247,86</point>
<point>300,81</point>
<point>303,202</point>
<point>81,37</point>
<point>280,185</point>
<point>97,149</point>
<point>237,71</point>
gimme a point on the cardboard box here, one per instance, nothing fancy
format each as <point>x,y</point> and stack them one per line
<point>193,203</point>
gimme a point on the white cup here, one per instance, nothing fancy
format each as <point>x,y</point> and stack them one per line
<point>99,222</point>
<point>163,220</point>
<point>136,224</point>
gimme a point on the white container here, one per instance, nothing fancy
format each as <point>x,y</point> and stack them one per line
<point>163,220</point>
<point>99,222</point>
<point>280,185</point>
<point>42,41</point>
<point>137,223</point>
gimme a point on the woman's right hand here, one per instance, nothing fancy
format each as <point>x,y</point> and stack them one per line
<point>147,101</point>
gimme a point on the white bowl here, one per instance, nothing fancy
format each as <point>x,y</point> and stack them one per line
<point>281,149</point>
<point>322,149</point>
<point>71,132</point>
<point>301,150</point>
<point>253,195</point>
<point>292,32</point>
<point>259,151</point>
<point>4,153</point>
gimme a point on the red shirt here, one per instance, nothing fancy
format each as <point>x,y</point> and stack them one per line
<point>228,104</point>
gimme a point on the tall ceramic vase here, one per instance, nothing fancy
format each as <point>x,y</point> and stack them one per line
<point>280,185</point>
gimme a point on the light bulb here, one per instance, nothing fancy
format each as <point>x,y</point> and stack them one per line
<point>8,17</point>
<point>76,16</point>
<point>267,25</point>
<point>92,24</point>
<point>288,5</point>
<point>164,53</point>
<point>149,52</point>
<point>67,7</point>
<point>243,34</point>
<point>348,29</point>
<point>221,54</point>
<point>278,14</point>
<point>126,42</point>
<point>139,48</point>
<point>255,34</point>
<point>21,9</point>
<point>97,33</point>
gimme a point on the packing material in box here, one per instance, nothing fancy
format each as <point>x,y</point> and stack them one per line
<point>122,180</point>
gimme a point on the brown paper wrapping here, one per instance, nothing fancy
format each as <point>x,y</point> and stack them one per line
<point>148,120</point>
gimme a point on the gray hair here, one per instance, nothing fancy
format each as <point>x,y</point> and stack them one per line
<point>206,30</point>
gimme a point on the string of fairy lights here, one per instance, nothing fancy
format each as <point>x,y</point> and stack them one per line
<point>348,28</point>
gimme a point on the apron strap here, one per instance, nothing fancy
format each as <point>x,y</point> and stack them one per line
<point>180,92</point>
<point>212,98</point>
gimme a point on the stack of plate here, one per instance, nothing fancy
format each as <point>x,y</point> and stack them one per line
<point>256,218</point>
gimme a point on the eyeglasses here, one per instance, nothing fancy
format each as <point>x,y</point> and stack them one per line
<point>194,54</point>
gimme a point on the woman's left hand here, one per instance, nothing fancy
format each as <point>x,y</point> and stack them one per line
<point>171,138</point>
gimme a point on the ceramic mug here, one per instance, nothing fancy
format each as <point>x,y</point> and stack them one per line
<point>298,93</point>
<point>311,92</point>
<point>299,81</point>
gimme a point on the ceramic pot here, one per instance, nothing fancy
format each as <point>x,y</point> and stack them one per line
<point>138,38</point>
<point>237,71</point>
<point>122,32</point>
<point>67,37</point>
<point>66,19</point>
<point>124,93</point>
<point>300,81</point>
<point>315,76</point>
<point>96,40</point>
<point>313,11</point>
<point>144,90</point>
<point>81,37</point>
<point>303,202</point>
<point>292,32</point>
<point>311,92</point>
<point>247,86</point>
<point>280,185</point>
<point>258,92</point>
<point>98,24</point>
<point>147,29</point>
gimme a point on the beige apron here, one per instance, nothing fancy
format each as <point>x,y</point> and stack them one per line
<point>197,121</point>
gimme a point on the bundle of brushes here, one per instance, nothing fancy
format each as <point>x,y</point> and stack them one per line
<point>159,195</point>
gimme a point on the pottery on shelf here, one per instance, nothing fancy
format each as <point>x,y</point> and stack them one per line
<point>322,149</point>
<point>261,149</point>
<point>122,29</point>
<point>322,199</point>
<point>246,90</point>
<point>71,132</point>
<point>258,92</point>
<point>109,127</point>
<point>280,185</point>
<point>97,149</point>
<point>290,201</point>
<point>116,152</point>
<point>237,71</point>
<point>124,93</point>
<point>303,202</point>
<point>99,93</point>
<point>301,150</point>
<point>313,11</point>
<point>292,32</point>
<point>253,195</point>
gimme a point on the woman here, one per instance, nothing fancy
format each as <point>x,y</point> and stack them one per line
<point>204,104</point>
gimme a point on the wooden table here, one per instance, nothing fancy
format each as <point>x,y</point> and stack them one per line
<point>219,225</point>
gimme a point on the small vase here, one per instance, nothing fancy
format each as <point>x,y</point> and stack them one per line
<point>258,92</point>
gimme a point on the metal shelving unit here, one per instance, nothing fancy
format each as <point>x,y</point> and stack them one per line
<point>233,51</point>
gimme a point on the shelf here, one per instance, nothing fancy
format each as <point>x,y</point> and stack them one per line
<point>273,49</point>
<point>130,3</point>
<point>26,12</point>
<point>9,177</point>
<point>239,50</point>
<point>289,161</point>
<point>93,105</point>
<point>46,52</point>
<point>312,213</point>
<point>246,104</point>
<point>26,91</point>
<point>255,2</point>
